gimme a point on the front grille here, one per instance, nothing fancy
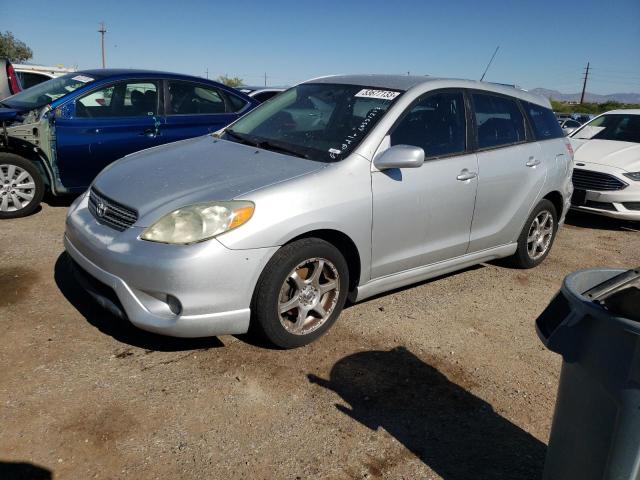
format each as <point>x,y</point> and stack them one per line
<point>632,205</point>
<point>111,213</point>
<point>601,205</point>
<point>589,180</point>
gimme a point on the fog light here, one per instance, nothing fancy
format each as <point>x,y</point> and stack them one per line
<point>174,305</point>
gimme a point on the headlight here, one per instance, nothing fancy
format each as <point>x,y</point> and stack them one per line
<point>199,222</point>
<point>633,176</point>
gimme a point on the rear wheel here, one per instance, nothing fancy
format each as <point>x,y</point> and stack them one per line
<point>537,236</point>
<point>21,187</point>
<point>300,293</point>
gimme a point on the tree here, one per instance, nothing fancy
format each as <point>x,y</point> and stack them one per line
<point>230,81</point>
<point>13,49</point>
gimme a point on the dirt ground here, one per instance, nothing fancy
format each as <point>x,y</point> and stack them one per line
<point>445,379</point>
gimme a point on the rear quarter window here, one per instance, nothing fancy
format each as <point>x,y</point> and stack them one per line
<point>543,121</point>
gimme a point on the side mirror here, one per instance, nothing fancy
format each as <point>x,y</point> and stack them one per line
<point>400,156</point>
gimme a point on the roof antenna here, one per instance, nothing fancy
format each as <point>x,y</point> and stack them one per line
<point>489,64</point>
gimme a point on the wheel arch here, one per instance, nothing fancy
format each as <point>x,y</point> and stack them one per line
<point>345,245</point>
<point>557,200</point>
<point>33,157</point>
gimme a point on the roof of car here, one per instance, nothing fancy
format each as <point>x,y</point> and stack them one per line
<point>406,82</point>
<point>130,72</point>
<point>253,88</point>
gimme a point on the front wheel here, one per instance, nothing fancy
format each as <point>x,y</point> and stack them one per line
<point>301,292</point>
<point>21,187</point>
<point>537,236</point>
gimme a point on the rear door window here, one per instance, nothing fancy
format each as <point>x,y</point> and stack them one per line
<point>498,119</point>
<point>543,121</point>
<point>436,124</point>
<point>190,98</point>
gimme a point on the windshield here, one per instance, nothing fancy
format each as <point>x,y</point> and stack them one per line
<point>616,126</point>
<point>46,92</point>
<point>320,121</point>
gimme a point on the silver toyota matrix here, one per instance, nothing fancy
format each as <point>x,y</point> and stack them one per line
<point>340,188</point>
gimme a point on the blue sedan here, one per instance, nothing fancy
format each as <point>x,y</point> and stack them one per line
<point>58,135</point>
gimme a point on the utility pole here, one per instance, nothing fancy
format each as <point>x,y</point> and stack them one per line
<point>207,73</point>
<point>584,85</point>
<point>265,79</point>
<point>102,32</point>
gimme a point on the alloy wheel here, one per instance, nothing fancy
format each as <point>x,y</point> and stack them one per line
<point>308,296</point>
<point>540,235</point>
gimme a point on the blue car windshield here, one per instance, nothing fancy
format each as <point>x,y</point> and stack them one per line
<point>46,92</point>
<point>319,121</point>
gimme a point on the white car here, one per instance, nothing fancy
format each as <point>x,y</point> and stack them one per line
<point>606,175</point>
<point>31,75</point>
<point>262,94</point>
<point>569,125</point>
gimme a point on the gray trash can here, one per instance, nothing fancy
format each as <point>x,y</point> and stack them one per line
<point>594,323</point>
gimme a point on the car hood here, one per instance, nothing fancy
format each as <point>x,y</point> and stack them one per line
<point>624,155</point>
<point>161,179</point>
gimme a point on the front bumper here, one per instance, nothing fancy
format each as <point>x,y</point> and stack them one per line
<point>196,290</point>
<point>623,204</point>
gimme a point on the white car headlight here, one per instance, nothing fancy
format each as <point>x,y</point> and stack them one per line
<point>196,223</point>
<point>633,176</point>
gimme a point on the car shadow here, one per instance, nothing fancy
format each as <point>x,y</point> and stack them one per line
<point>455,433</point>
<point>119,329</point>
<point>61,201</point>
<point>599,222</point>
<point>23,471</point>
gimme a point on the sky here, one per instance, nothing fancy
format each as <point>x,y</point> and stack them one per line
<point>542,44</point>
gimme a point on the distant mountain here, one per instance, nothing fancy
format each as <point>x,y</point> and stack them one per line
<point>588,97</point>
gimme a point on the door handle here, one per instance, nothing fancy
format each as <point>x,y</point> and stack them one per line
<point>149,132</point>
<point>466,175</point>
<point>532,162</point>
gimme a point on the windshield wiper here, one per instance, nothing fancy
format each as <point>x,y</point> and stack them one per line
<point>241,138</point>
<point>267,145</point>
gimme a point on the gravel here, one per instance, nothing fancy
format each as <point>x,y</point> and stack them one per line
<point>444,379</point>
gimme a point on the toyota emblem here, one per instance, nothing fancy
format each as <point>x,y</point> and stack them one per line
<point>101,209</point>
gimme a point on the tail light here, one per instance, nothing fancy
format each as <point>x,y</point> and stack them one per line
<point>14,85</point>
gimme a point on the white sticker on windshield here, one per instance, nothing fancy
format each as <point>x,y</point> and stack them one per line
<point>82,78</point>
<point>381,94</point>
<point>335,151</point>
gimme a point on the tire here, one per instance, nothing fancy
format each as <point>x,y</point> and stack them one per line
<point>290,280</point>
<point>537,236</point>
<point>21,186</point>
